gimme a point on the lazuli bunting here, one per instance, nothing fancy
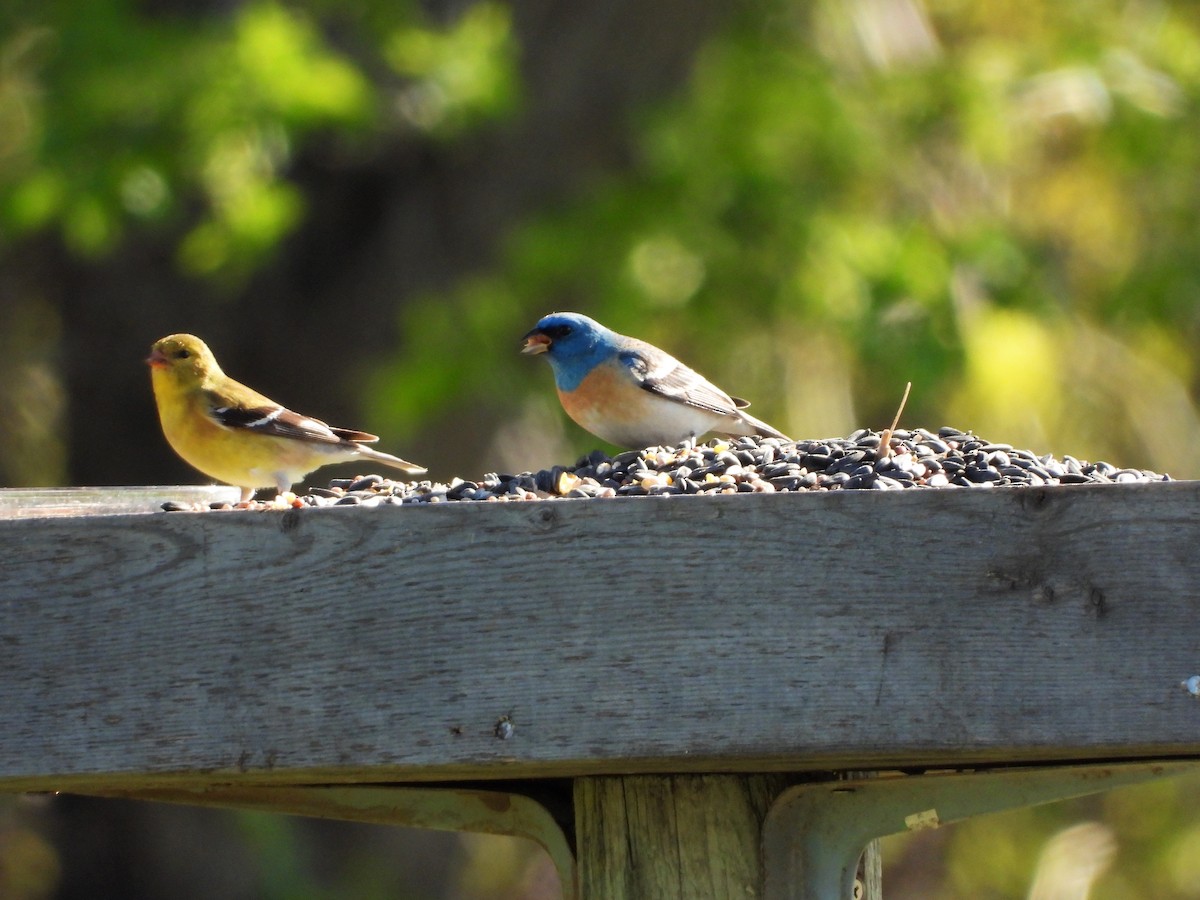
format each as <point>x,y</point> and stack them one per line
<point>236,435</point>
<point>630,393</point>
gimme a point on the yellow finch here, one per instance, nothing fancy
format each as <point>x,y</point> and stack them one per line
<point>236,435</point>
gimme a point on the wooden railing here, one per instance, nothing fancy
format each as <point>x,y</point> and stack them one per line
<point>677,697</point>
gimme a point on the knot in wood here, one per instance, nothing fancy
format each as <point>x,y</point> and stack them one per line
<point>289,521</point>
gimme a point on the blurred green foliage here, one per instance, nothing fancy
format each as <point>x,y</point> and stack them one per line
<point>997,201</point>
<point>29,863</point>
<point>116,120</point>
<point>1126,844</point>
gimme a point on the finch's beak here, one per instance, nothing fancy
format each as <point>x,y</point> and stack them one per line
<point>156,359</point>
<point>535,343</point>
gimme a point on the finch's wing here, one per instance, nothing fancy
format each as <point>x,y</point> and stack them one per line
<point>273,420</point>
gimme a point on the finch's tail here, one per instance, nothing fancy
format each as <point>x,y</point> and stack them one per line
<point>360,439</point>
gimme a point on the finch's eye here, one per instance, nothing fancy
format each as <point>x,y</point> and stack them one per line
<point>182,354</point>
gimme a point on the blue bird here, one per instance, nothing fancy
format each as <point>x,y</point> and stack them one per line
<point>630,393</point>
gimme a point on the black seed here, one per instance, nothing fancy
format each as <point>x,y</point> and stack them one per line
<point>981,475</point>
<point>862,480</point>
<point>1073,478</point>
<point>951,458</point>
<point>459,491</point>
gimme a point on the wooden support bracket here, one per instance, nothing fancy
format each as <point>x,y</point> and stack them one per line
<point>440,808</point>
<point>814,833</point>
<point>699,837</point>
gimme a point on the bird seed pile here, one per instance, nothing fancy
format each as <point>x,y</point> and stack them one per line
<point>918,458</point>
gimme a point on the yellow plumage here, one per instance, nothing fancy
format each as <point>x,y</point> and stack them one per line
<point>235,434</point>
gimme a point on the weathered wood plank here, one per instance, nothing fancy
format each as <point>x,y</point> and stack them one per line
<point>27,503</point>
<point>738,633</point>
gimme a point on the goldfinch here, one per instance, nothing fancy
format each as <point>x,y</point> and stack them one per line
<point>235,434</point>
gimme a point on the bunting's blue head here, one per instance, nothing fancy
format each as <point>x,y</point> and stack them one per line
<point>574,345</point>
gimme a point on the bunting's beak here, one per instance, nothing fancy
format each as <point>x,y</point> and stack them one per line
<point>535,343</point>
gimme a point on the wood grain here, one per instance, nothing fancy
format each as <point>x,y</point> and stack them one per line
<point>672,837</point>
<point>737,633</point>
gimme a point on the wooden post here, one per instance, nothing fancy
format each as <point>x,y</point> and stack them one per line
<point>672,837</point>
